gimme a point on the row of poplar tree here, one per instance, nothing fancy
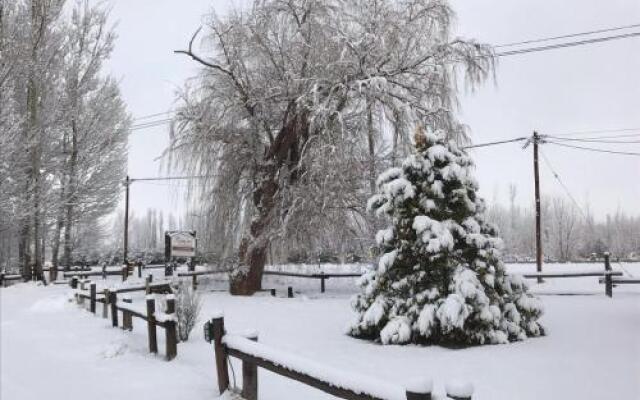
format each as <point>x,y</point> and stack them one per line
<point>63,127</point>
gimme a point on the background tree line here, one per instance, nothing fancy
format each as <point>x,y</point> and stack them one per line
<point>63,130</point>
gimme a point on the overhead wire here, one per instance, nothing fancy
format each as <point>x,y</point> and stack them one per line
<point>567,44</point>
<point>571,35</point>
<point>626,153</point>
<point>564,187</point>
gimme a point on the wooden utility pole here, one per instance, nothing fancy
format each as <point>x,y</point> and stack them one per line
<point>126,221</point>
<point>536,173</point>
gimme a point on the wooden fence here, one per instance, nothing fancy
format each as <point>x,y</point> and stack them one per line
<point>339,384</point>
<point>153,318</point>
<point>4,278</point>
<point>321,276</point>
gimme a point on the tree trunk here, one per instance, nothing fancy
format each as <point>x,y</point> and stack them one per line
<point>284,152</point>
<point>71,198</point>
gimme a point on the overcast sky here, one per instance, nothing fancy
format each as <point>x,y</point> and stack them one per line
<point>594,87</point>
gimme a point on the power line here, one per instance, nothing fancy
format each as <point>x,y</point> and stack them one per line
<point>572,35</point>
<point>592,132</point>
<point>152,115</point>
<point>475,146</point>
<point>566,189</point>
<point>567,44</point>
<point>151,124</point>
<point>173,178</point>
<point>594,149</point>
<point>590,140</point>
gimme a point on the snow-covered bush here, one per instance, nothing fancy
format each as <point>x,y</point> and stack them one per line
<point>440,278</point>
<point>188,305</point>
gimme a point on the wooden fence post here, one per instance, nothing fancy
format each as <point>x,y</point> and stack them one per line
<point>420,390</point>
<point>74,282</point>
<point>125,271</point>
<point>92,297</point>
<point>459,390</point>
<point>105,304</point>
<point>217,325</point>
<point>127,319</point>
<point>273,292</point>
<point>171,329</point>
<point>290,292</point>
<point>194,282</point>
<point>250,376</point>
<point>1,279</point>
<point>322,278</point>
<point>139,269</point>
<point>608,279</point>
<point>151,324</point>
<point>113,300</point>
<point>147,283</point>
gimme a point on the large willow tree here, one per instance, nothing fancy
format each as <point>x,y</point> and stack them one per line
<point>283,115</point>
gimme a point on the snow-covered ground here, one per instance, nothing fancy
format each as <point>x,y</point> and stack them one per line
<point>50,348</point>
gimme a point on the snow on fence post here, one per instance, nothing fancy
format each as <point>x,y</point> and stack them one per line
<point>250,375</point>
<point>113,300</point>
<point>105,304</point>
<point>420,390</point>
<point>147,283</point>
<point>322,278</point>
<point>217,328</point>
<point>170,329</point>
<point>459,390</point>
<point>92,297</point>
<point>151,324</point>
<point>608,280</point>
<point>127,319</point>
<point>290,292</point>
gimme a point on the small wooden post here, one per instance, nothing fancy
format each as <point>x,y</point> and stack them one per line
<point>273,292</point>
<point>151,324</point>
<point>194,282</point>
<point>104,271</point>
<point>127,319</point>
<point>113,300</point>
<point>83,284</point>
<point>105,304</point>
<point>170,329</point>
<point>290,292</point>
<point>221,354</point>
<point>125,271</point>
<point>250,377</point>
<point>459,390</point>
<point>608,279</point>
<point>139,269</point>
<point>322,278</point>
<point>74,282</point>
<point>147,283</point>
<point>1,279</point>
<point>418,396</point>
<point>92,297</point>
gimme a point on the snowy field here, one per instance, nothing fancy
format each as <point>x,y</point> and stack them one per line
<point>51,348</point>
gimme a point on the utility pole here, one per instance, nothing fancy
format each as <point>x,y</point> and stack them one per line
<point>536,173</point>
<point>126,220</point>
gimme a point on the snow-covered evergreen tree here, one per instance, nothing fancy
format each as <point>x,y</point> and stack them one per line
<point>440,279</point>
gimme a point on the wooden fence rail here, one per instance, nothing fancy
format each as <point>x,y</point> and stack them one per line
<point>336,383</point>
<point>321,276</point>
<point>153,318</point>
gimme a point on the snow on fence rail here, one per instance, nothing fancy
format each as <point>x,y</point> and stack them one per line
<point>167,319</point>
<point>348,386</point>
<point>8,278</point>
<point>322,276</point>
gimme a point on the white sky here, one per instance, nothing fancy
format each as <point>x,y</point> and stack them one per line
<point>584,88</point>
